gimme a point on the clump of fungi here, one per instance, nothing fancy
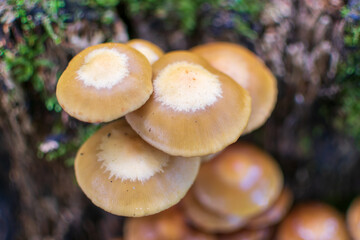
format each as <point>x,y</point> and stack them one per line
<point>169,113</point>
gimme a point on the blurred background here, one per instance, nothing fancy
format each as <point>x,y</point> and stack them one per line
<point>311,46</point>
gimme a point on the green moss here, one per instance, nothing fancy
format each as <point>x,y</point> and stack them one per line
<point>349,76</point>
<point>186,12</point>
<point>66,150</point>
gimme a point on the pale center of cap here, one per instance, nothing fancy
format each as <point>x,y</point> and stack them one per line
<point>127,157</point>
<point>187,87</point>
<point>237,70</point>
<point>103,68</point>
<point>147,52</point>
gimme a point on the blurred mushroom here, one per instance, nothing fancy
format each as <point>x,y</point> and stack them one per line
<point>166,225</point>
<point>195,110</point>
<point>313,221</point>
<point>104,82</point>
<point>247,70</point>
<point>275,213</point>
<point>242,180</point>
<point>207,220</point>
<point>247,234</point>
<point>124,175</point>
<point>148,49</point>
<point>353,219</point>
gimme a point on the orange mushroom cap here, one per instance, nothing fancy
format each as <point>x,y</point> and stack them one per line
<point>148,49</point>
<point>124,175</point>
<point>104,82</point>
<point>207,220</point>
<point>195,110</point>
<point>275,213</point>
<point>313,221</point>
<point>247,70</point>
<point>168,224</point>
<point>242,180</point>
<point>353,219</point>
<point>248,234</point>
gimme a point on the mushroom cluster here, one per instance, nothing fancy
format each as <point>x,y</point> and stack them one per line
<point>168,112</point>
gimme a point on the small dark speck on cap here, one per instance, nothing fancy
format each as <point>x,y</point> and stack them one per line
<point>109,134</point>
<point>81,154</point>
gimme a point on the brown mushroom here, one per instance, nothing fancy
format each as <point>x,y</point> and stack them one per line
<point>166,225</point>
<point>195,110</point>
<point>242,180</point>
<point>275,213</point>
<point>313,221</point>
<point>126,176</point>
<point>104,82</point>
<point>148,49</point>
<point>207,220</point>
<point>353,219</point>
<point>249,71</point>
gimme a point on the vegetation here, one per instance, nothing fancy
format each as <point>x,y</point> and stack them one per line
<point>349,74</point>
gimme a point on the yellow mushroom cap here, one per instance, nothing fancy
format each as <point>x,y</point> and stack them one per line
<point>104,82</point>
<point>148,49</point>
<point>242,180</point>
<point>207,220</point>
<point>313,221</point>
<point>124,175</point>
<point>353,219</point>
<point>195,110</point>
<point>249,71</point>
<point>275,213</point>
<point>168,224</point>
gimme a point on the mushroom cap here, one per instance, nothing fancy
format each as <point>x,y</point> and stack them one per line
<point>195,110</point>
<point>353,219</point>
<point>275,213</point>
<point>313,221</point>
<point>248,234</point>
<point>249,71</point>
<point>104,82</point>
<point>207,220</point>
<point>168,224</point>
<point>124,175</point>
<point>151,51</point>
<point>242,180</point>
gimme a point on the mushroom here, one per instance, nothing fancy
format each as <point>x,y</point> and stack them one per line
<point>148,49</point>
<point>169,224</point>
<point>195,110</point>
<point>249,234</point>
<point>313,221</point>
<point>247,70</point>
<point>275,213</point>
<point>353,219</point>
<point>104,82</point>
<point>207,220</point>
<point>242,180</point>
<point>124,175</point>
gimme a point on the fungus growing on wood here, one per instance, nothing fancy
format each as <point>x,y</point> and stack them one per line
<point>242,180</point>
<point>104,82</point>
<point>353,219</point>
<point>207,220</point>
<point>313,221</point>
<point>148,49</point>
<point>247,70</point>
<point>195,110</point>
<point>124,175</point>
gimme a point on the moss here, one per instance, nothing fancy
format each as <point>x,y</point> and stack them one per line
<point>349,75</point>
<point>186,13</point>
